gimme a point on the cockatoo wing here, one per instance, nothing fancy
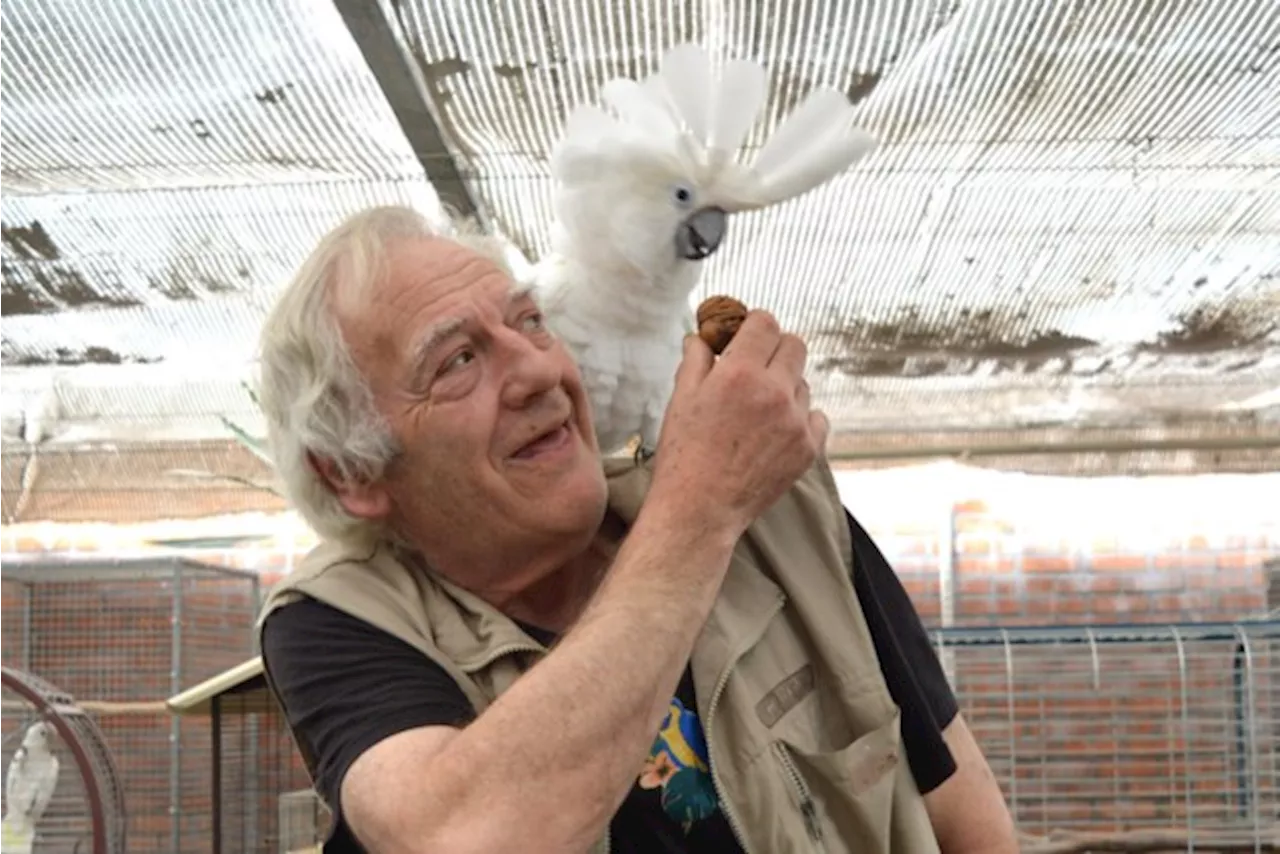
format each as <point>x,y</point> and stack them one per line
<point>46,782</point>
<point>17,784</point>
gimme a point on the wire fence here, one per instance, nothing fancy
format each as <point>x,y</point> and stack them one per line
<point>265,806</point>
<point>122,636</point>
<point>1115,729</point>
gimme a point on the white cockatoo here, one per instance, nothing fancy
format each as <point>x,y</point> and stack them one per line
<point>28,788</point>
<point>644,184</point>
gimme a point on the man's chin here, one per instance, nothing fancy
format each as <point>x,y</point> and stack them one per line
<point>576,503</point>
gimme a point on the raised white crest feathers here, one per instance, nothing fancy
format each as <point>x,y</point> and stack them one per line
<point>691,108</point>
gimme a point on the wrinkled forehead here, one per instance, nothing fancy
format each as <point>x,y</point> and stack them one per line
<point>423,289</point>
<point>409,273</point>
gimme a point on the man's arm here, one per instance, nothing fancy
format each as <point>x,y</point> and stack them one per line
<point>345,686</point>
<point>961,794</point>
<point>968,811</point>
<point>571,731</point>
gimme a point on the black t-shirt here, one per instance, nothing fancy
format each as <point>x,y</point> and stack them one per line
<point>346,686</point>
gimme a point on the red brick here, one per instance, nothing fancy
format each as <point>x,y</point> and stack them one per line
<point>1115,562</point>
<point>1045,563</point>
<point>918,585</point>
<point>980,565</point>
<point>1178,561</point>
<point>1231,560</point>
<point>1106,583</point>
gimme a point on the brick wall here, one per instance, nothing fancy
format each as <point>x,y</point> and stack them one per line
<point>1008,576</point>
<point>1063,754</point>
<point>111,641</point>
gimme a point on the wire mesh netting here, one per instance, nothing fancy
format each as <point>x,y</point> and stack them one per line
<point>122,636</point>
<point>1128,729</point>
<point>265,806</point>
<point>1016,253</point>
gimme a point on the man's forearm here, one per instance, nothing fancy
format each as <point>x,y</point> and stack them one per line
<point>549,763</point>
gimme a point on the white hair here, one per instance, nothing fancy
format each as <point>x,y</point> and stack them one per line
<point>314,398</point>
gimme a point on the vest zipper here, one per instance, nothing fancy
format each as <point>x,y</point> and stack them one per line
<point>511,649</point>
<point>729,814</point>
<point>801,791</point>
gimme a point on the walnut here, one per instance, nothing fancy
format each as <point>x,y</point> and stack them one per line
<point>718,320</point>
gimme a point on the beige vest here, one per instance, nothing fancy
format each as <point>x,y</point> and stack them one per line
<point>803,736</point>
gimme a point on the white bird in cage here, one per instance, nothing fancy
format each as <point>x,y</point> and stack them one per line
<point>644,185</point>
<point>28,787</point>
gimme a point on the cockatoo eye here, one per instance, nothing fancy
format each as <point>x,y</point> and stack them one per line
<point>683,195</point>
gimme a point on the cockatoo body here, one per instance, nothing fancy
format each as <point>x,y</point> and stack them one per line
<point>28,787</point>
<point>644,186</point>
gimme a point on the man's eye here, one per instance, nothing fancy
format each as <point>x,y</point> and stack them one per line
<point>463,357</point>
<point>532,322</point>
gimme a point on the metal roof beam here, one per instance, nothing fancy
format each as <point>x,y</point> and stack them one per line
<point>378,34</point>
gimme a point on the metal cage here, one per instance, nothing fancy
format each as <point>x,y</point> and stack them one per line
<point>121,636</point>
<point>86,813</point>
<point>1128,730</point>
<point>259,784</point>
<point>256,770</point>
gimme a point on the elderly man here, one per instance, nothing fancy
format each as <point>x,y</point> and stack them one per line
<point>505,643</point>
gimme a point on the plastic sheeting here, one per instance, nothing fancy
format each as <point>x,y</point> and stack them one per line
<point>1074,217</point>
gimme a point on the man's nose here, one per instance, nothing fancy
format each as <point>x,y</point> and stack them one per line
<point>530,370</point>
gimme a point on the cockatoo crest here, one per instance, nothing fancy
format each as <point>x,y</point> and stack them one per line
<point>693,114</point>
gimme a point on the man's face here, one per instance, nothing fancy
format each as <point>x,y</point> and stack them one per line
<point>499,455</point>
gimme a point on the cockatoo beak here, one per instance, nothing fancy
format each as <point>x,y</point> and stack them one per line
<point>701,233</point>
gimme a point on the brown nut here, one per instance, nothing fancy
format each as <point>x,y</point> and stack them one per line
<point>718,320</point>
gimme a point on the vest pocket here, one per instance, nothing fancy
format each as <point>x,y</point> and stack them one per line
<point>846,796</point>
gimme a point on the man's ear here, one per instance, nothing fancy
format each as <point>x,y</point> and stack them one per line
<point>362,500</point>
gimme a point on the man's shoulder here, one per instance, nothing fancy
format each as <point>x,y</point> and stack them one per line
<point>337,559</point>
<point>335,571</point>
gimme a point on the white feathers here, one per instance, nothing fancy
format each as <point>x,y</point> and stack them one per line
<point>813,144</point>
<point>691,108</point>
<point>29,784</point>
<point>633,172</point>
<point>740,96</point>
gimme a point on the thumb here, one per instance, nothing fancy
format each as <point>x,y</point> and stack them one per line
<point>696,363</point>
<point>819,428</point>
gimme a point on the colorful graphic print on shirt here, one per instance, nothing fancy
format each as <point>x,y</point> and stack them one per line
<point>678,764</point>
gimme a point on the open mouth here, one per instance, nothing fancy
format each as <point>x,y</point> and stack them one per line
<point>546,442</point>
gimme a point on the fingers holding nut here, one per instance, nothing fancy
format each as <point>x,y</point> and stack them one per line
<point>718,320</point>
